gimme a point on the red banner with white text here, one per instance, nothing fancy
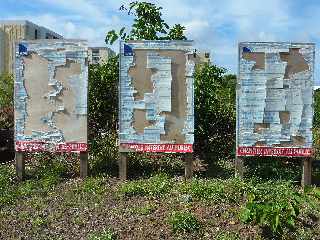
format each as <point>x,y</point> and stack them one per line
<point>32,146</point>
<point>274,151</point>
<point>168,148</point>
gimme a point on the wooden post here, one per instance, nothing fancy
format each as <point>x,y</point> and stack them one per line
<point>84,164</point>
<point>188,170</point>
<point>306,172</point>
<point>123,166</point>
<point>20,165</point>
<point>239,167</point>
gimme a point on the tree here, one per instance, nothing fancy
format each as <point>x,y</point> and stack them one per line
<point>316,120</point>
<point>103,97</point>
<point>147,25</point>
<point>215,113</point>
<point>6,90</point>
<point>6,101</point>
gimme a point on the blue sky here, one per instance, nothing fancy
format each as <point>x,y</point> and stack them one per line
<point>216,25</point>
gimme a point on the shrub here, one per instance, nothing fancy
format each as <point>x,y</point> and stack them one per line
<point>103,98</point>
<point>316,120</point>
<point>104,154</point>
<point>147,164</point>
<point>215,113</point>
<point>6,90</point>
<point>273,204</point>
<point>184,222</point>
<point>6,101</point>
<point>6,118</point>
<point>273,168</point>
<point>48,170</point>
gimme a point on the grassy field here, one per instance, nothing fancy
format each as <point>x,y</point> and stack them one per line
<point>54,204</point>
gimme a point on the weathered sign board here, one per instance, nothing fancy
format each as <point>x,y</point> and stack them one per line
<point>50,96</point>
<point>275,99</point>
<point>156,96</point>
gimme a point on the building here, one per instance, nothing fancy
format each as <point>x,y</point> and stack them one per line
<point>97,55</point>
<point>12,31</point>
<point>204,57</point>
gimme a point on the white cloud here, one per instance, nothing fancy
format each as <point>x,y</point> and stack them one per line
<point>196,27</point>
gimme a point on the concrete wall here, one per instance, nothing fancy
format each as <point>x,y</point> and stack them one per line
<point>34,31</point>
<point>15,31</point>
<point>11,34</point>
<point>102,53</point>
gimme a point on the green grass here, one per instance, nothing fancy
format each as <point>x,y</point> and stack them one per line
<point>227,236</point>
<point>278,206</point>
<point>44,179</point>
<point>145,209</point>
<point>214,190</point>
<point>155,186</point>
<point>92,185</point>
<point>7,187</point>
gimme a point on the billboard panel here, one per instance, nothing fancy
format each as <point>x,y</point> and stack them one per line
<point>156,96</point>
<point>51,82</point>
<point>275,99</point>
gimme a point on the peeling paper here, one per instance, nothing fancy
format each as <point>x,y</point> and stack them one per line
<point>274,98</point>
<point>59,115</point>
<point>157,102</point>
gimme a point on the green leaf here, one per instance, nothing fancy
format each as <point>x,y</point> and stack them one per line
<point>122,30</point>
<point>245,215</point>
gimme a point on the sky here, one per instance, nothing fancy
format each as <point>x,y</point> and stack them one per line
<point>216,26</point>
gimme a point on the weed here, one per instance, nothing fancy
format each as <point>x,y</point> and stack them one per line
<point>184,222</point>
<point>214,190</point>
<point>273,204</point>
<point>39,222</point>
<point>227,236</point>
<point>144,210</point>
<point>27,188</point>
<point>155,186</point>
<point>91,185</point>
<point>7,190</point>
<point>104,235</point>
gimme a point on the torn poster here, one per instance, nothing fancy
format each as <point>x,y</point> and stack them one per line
<point>275,99</point>
<point>156,96</point>
<point>50,96</point>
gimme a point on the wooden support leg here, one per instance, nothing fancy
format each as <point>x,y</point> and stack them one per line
<point>84,164</point>
<point>188,170</point>
<point>239,167</point>
<point>306,172</point>
<point>20,165</point>
<point>123,166</point>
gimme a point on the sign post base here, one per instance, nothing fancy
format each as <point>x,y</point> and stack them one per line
<point>20,165</point>
<point>188,171</point>
<point>123,166</point>
<point>239,167</point>
<point>306,172</point>
<point>84,164</point>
